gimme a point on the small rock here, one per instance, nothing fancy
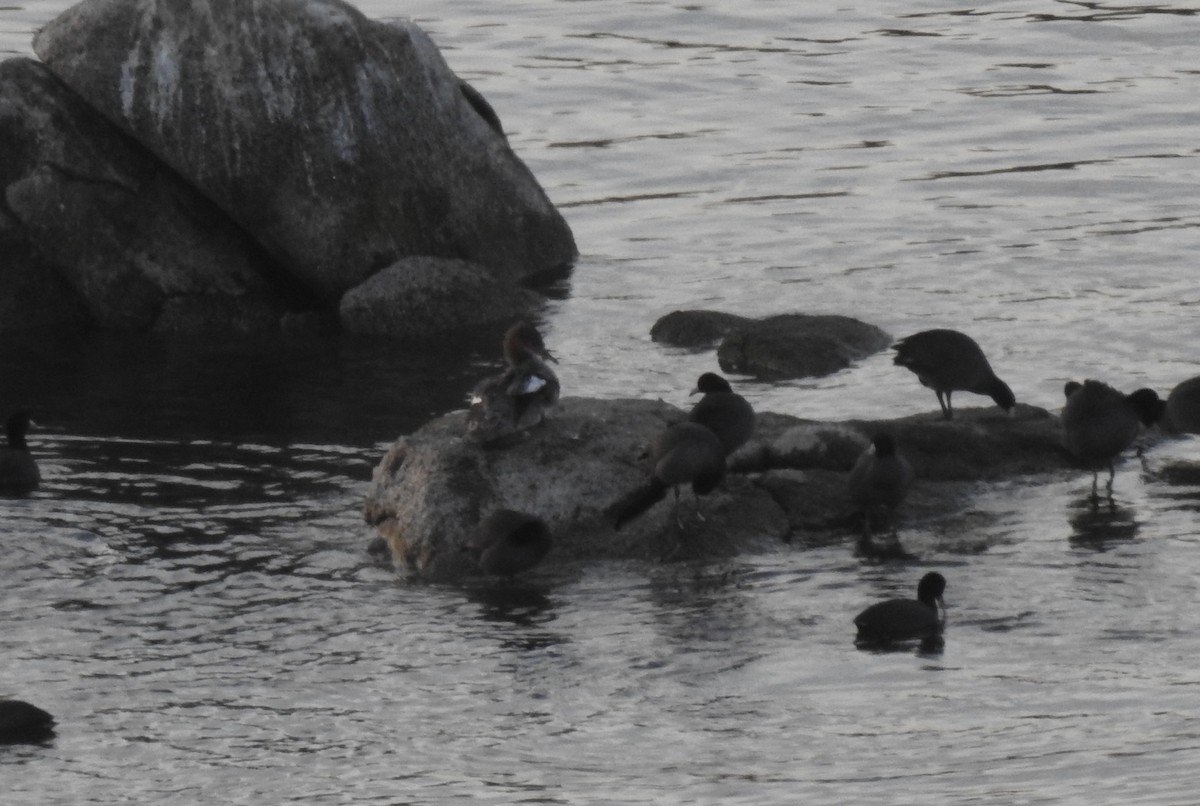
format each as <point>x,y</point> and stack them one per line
<point>696,329</point>
<point>799,346</point>
<point>418,298</point>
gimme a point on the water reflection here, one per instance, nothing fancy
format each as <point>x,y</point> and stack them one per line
<point>1098,523</point>
<point>517,602</point>
<point>930,646</point>
<point>347,390</point>
<point>1182,480</point>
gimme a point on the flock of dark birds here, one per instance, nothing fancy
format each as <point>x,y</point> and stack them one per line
<point>1098,423</point>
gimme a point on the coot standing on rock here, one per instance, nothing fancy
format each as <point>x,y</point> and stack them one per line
<point>878,484</point>
<point>723,411</point>
<point>508,542</point>
<point>904,619</point>
<point>948,361</point>
<point>1099,422</point>
<point>18,471</point>
<point>519,397</point>
<point>684,453</point>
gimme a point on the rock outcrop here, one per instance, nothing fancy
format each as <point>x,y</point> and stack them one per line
<point>340,143</point>
<point>239,165</point>
<point>103,232</point>
<point>788,483</point>
<point>776,347</point>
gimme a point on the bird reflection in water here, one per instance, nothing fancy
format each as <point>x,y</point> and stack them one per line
<point>1097,523</point>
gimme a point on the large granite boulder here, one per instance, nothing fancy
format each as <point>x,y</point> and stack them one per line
<point>787,484</point>
<point>97,231</point>
<point>341,144</point>
<point>777,347</point>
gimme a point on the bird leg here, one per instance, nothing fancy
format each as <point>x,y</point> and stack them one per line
<point>675,511</point>
<point>699,515</point>
<point>942,400</point>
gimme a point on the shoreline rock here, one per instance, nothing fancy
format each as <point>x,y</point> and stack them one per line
<point>787,484</point>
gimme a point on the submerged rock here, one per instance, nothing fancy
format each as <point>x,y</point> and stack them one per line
<point>799,346</point>
<point>788,483</point>
<point>777,347</point>
<point>343,145</point>
<point>696,329</point>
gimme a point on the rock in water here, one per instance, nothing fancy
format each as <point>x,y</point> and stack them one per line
<point>340,143</point>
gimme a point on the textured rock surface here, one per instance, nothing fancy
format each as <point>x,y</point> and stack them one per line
<point>341,144</point>
<point>799,346</point>
<point>788,483</point>
<point>696,328</point>
<point>100,226</point>
<point>419,297</point>
<point>777,347</point>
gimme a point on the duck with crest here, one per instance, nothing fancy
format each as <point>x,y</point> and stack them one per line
<point>520,397</point>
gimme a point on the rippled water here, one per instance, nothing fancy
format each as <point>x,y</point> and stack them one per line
<point>189,593</point>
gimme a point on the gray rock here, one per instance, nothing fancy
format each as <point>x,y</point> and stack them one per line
<point>35,297</point>
<point>777,347</point>
<point>341,144</point>
<point>696,329</point>
<point>420,297</point>
<point>799,346</point>
<point>122,236</point>
<point>788,484</point>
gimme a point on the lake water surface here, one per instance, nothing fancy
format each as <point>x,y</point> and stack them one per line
<point>189,592</point>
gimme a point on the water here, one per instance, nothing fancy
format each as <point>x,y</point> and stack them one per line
<point>189,594</point>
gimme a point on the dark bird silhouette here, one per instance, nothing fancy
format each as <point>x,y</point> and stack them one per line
<point>1182,413</point>
<point>519,397</point>
<point>878,484</point>
<point>18,471</point>
<point>684,453</point>
<point>21,722</point>
<point>723,411</point>
<point>1099,422</point>
<point>947,361</point>
<point>904,619</point>
<point>508,542</point>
